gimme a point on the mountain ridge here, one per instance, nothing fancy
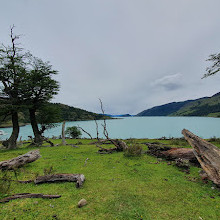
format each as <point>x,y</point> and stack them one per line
<point>205,106</point>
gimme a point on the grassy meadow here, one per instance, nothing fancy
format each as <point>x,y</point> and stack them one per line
<point>116,187</point>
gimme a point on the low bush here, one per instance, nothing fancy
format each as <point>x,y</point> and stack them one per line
<point>5,183</point>
<point>73,132</point>
<point>134,150</point>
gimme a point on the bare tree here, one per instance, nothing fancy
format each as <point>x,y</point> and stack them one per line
<point>119,145</point>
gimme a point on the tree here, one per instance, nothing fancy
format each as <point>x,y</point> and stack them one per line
<point>215,67</point>
<point>26,83</point>
<point>73,132</point>
<point>47,117</point>
<point>12,74</point>
<point>38,88</point>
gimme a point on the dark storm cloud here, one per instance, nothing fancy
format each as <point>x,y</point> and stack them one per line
<point>122,51</point>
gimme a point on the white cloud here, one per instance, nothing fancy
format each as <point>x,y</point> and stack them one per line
<point>169,82</point>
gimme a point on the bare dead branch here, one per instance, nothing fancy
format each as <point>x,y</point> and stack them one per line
<point>86,161</point>
<point>28,195</point>
<point>85,132</point>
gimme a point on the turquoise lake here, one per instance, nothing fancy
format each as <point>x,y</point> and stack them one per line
<point>137,127</point>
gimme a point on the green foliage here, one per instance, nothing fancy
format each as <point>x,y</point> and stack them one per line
<point>48,116</point>
<point>179,142</point>
<point>50,170</point>
<point>5,183</point>
<point>73,132</point>
<point>39,86</point>
<point>134,150</point>
<point>215,67</point>
<point>201,107</point>
<point>69,113</point>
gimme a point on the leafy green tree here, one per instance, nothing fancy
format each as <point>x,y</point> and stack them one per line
<point>13,63</point>
<point>215,67</point>
<point>47,117</point>
<point>39,88</point>
<point>25,83</point>
<point>73,132</point>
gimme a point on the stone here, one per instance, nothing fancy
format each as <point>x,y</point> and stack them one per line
<point>82,203</point>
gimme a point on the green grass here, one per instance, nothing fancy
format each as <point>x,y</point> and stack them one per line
<point>116,187</point>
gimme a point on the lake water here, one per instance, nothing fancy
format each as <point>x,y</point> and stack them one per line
<point>137,127</point>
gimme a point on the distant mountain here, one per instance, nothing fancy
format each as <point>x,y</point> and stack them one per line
<point>64,113</point>
<point>69,113</point>
<point>164,110</point>
<point>124,115</point>
<point>206,106</point>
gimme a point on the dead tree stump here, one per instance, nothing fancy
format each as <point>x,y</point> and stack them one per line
<point>207,154</point>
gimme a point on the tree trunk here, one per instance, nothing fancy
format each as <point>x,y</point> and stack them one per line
<point>207,154</point>
<point>63,134</point>
<point>11,143</point>
<point>38,139</point>
<point>19,161</point>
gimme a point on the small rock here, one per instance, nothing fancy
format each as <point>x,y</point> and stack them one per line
<point>212,187</point>
<point>82,203</point>
<point>36,202</point>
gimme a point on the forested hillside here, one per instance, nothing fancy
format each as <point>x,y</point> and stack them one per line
<point>62,112</point>
<point>206,106</point>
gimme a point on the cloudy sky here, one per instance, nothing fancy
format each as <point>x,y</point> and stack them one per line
<point>133,54</point>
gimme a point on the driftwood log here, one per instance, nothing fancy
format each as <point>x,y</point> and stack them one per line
<point>170,153</point>
<point>207,154</point>
<point>180,153</point>
<point>21,160</point>
<point>28,195</point>
<point>61,177</point>
<point>119,146</point>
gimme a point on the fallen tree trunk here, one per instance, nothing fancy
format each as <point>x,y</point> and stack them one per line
<point>20,160</point>
<point>119,146</point>
<point>170,153</point>
<point>180,153</point>
<point>207,154</point>
<point>28,195</point>
<point>61,177</point>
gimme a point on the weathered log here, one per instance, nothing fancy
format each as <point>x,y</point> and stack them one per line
<point>28,195</point>
<point>170,153</point>
<point>119,147</point>
<point>180,153</point>
<point>61,177</point>
<point>207,154</point>
<point>20,160</point>
<point>157,149</point>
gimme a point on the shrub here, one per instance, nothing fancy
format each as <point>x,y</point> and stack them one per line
<point>179,142</point>
<point>134,150</point>
<point>50,170</point>
<point>73,132</point>
<point>5,183</point>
